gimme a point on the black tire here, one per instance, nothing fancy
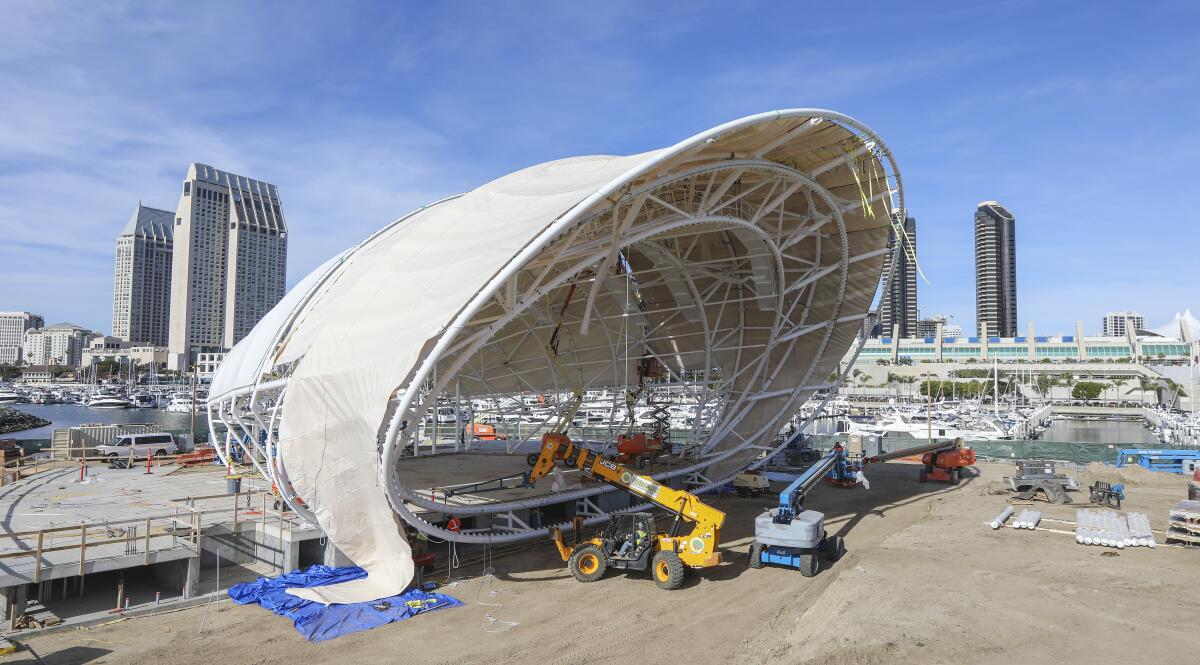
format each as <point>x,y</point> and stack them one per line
<point>667,570</point>
<point>810,564</point>
<point>588,563</point>
<point>743,492</point>
<point>531,458</point>
<point>756,549</point>
<point>160,453</point>
<point>923,475</point>
<point>641,462</point>
<point>835,548</point>
<point>954,475</point>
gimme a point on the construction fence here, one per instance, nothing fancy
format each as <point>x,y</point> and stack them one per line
<point>1062,451</point>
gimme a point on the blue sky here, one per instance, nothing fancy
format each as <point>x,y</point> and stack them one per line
<point>1080,117</point>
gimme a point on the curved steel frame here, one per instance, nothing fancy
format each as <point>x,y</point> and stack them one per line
<point>247,418</point>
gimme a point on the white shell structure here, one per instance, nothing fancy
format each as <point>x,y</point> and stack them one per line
<point>743,260</point>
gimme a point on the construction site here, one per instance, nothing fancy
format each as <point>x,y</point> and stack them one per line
<point>593,445</point>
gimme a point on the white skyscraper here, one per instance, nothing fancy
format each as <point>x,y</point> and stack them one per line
<point>1116,323</point>
<point>142,280</point>
<point>229,261</point>
<point>12,334</point>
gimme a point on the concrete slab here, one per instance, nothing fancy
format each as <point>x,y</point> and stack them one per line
<point>117,502</point>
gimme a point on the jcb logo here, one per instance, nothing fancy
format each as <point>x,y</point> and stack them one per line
<point>608,465</point>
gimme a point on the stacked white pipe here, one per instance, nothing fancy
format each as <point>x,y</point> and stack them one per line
<point>1028,519</point>
<point>1002,517</point>
<point>1109,528</point>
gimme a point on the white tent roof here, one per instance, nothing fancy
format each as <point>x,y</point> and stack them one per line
<point>451,289</point>
<point>1181,322</point>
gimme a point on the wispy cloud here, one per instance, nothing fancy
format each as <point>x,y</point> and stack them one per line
<point>1078,119</point>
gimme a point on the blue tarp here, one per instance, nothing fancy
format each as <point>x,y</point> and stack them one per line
<point>317,622</point>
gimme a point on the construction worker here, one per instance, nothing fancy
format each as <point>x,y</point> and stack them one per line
<point>634,541</point>
<point>454,524</point>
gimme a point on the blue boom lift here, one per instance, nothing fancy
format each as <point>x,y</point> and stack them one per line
<point>789,535</point>
<point>1158,459</point>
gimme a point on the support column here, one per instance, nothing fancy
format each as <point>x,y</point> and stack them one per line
<point>291,552</point>
<point>1031,340</point>
<point>191,578</point>
<point>983,340</point>
<point>938,341</point>
<point>1079,341</point>
<point>15,600</point>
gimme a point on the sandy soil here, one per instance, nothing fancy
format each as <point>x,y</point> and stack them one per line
<point>924,581</point>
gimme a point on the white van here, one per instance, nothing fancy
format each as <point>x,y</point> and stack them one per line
<point>158,444</point>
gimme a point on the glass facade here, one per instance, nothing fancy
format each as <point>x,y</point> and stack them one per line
<point>1056,349</point>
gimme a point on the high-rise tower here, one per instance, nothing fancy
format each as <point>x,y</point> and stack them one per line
<point>898,305</point>
<point>229,263</point>
<point>995,270</point>
<point>142,279</point>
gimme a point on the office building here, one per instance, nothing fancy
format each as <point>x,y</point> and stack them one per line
<point>228,264</point>
<point>12,334</point>
<point>1116,323</point>
<point>142,279</point>
<point>871,327</point>
<point>898,306</point>
<point>933,326</point>
<point>59,344</point>
<point>995,271</point>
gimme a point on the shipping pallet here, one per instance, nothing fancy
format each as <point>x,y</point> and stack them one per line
<point>1182,537</point>
<point>1183,523</point>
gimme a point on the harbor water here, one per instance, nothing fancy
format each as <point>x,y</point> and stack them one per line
<point>1133,432</point>
<point>73,415</point>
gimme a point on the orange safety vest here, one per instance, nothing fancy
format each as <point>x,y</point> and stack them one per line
<point>454,524</point>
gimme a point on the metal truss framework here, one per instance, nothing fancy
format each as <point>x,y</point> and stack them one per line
<point>719,271</point>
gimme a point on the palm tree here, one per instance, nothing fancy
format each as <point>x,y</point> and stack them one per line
<point>1044,384</point>
<point>1119,382</point>
<point>1144,385</point>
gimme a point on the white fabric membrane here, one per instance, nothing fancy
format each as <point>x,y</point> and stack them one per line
<point>362,332</point>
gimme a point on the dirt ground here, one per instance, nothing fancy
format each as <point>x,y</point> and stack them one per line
<point>924,581</point>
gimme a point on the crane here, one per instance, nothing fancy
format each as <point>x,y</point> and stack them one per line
<point>631,541</point>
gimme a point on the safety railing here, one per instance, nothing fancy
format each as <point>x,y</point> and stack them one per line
<point>140,535</point>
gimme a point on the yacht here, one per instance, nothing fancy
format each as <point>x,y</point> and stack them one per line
<point>43,397</point>
<point>103,400</point>
<point>144,400</point>
<point>182,403</point>
<point>9,396</point>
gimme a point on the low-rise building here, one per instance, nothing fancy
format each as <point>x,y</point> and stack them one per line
<point>109,348</point>
<point>59,344</point>
<point>47,374</point>
<point>1028,348</point>
<point>207,364</point>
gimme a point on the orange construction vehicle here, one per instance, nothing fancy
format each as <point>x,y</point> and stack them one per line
<point>945,465</point>
<point>940,460</point>
<point>631,541</point>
